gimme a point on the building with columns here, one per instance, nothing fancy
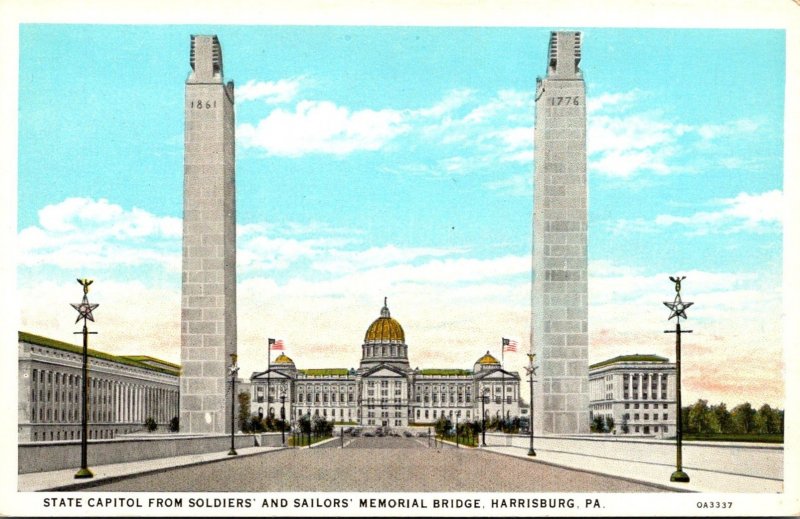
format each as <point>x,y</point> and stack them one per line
<point>124,391</point>
<point>385,390</point>
<point>637,391</point>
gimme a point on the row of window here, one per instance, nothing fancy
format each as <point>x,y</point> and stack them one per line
<point>665,416</point>
<point>635,396</point>
<point>645,406</point>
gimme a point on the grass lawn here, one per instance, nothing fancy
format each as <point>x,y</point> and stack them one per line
<point>302,441</point>
<point>755,438</point>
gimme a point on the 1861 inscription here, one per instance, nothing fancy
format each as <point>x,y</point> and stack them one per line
<point>203,105</point>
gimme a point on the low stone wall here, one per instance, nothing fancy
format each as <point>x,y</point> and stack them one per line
<point>48,456</point>
<point>748,459</point>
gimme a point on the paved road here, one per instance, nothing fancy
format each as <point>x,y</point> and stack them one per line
<point>376,465</point>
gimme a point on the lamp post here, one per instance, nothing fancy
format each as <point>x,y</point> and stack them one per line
<point>531,369</point>
<point>678,309</point>
<point>234,369</point>
<point>84,309</point>
<point>283,413</point>
<point>484,391</point>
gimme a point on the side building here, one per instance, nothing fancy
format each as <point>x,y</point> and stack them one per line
<point>124,391</point>
<point>637,392</point>
<point>385,390</point>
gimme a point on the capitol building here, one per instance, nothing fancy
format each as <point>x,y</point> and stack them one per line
<point>385,390</point>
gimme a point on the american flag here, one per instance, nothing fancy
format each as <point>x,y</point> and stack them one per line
<point>509,345</point>
<point>276,344</point>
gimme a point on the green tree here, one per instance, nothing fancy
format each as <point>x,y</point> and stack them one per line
<point>700,420</point>
<point>744,418</point>
<point>598,424</point>
<point>174,424</point>
<point>724,420</point>
<point>442,426</point>
<point>767,420</point>
<point>244,411</point>
<point>609,423</point>
<point>150,424</point>
<point>304,422</point>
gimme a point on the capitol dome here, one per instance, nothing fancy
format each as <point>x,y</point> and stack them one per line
<point>283,359</point>
<point>384,342</point>
<point>384,329</point>
<point>487,362</point>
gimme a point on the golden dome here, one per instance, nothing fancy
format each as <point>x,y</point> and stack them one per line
<point>487,359</point>
<point>385,329</point>
<point>282,359</point>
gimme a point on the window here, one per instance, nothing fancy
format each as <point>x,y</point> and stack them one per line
<point>646,406</point>
<point>636,406</point>
<point>627,405</point>
<point>636,416</point>
<point>665,416</point>
<point>665,406</point>
<point>647,416</point>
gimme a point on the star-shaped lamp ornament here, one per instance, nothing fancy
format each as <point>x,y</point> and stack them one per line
<point>84,308</point>
<point>678,308</point>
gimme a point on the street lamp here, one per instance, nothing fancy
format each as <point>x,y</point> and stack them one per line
<point>531,369</point>
<point>234,369</point>
<point>84,312</point>
<point>678,309</point>
<point>484,391</point>
<point>283,413</point>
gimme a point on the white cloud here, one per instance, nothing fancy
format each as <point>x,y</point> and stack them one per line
<point>762,212</point>
<point>82,232</point>
<point>339,261</point>
<point>611,101</point>
<point>322,127</point>
<point>271,92</point>
<point>624,141</point>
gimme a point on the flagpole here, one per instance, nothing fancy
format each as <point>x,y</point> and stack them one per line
<point>503,373</point>
<point>269,361</point>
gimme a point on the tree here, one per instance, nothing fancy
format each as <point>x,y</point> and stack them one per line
<point>624,427</point>
<point>767,420</point>
<point>598,424</point>
<point>150,424</point>
<point>304,422</point>
<point>700,418</point>
<point>609,423</point>
<point>724,421</point>
<point>174,424</point>
<point>244,411</point>
<point>443,426</point>
<point>321,426</point>
<point>744,418</point>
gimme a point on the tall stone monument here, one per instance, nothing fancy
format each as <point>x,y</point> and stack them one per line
<point>559,324</point>
<point>208,297</point>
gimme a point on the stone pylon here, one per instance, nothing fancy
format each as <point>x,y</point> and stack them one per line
<point>208,297</point>
<point>559,324</point>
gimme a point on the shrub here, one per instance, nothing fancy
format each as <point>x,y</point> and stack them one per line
<point>150,424</point>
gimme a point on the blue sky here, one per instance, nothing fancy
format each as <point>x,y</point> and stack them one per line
<point>397,161</point>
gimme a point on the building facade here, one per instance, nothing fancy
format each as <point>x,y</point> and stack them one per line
<point>637,392</point>
<point>124,391</point>
<point>385,390</point>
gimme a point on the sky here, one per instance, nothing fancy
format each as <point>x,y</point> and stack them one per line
<point>377,161</point>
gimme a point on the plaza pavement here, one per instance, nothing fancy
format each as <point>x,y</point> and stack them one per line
<point>647,473</point>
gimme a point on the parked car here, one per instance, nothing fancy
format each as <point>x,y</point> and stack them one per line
<point>408,434</point>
